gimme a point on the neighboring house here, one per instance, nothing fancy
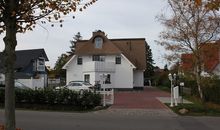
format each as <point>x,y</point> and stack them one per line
<point>121,60</point>
<point>210,54</point>
<point>29,68</point>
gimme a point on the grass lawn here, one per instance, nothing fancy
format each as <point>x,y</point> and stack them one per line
<point>197,108</point>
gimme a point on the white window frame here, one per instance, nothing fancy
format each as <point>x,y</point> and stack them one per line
<point>98,42</point>
<point>40,64</point>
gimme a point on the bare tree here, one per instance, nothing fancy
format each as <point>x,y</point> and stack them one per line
<point>188,27</point>
<point>22,15</point>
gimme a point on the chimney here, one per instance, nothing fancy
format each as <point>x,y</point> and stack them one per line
<point>98,32</point>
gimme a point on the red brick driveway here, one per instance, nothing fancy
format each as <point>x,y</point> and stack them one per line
<point>139,99</point>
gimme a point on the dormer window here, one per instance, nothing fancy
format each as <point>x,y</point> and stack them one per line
<point>98,42</point>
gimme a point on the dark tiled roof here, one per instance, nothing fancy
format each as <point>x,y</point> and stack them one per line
<point>20,75</point>
<point>24,57</point>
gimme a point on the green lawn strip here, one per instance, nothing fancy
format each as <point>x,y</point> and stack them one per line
<point>195,109</point>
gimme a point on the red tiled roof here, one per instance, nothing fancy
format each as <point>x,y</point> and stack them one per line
<point>210,57</point>
<point>187,62</point>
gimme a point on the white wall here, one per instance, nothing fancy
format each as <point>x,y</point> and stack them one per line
<point>138,78</point>
<point>121,78</point>
<point>74,71</point>
<point>32,83</point>
<point>124,74</point>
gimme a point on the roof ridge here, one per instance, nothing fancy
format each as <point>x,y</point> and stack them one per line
<point>116,39</point>
<point>31,49</point>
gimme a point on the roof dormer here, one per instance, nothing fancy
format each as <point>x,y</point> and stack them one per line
<point>98,42</point>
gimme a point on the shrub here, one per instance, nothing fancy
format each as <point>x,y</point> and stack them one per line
<point>211,89</point>
<point>2,96</point>
<point>162,79</point>
<point>192,85</point>
<point>61,98</point>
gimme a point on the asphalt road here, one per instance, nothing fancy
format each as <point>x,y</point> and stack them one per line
<point>113,119</point>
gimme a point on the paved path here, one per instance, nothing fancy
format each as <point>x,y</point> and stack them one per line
<point>111,119</point>
<point>146,99</point>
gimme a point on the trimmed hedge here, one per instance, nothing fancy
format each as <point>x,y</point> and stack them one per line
<point>211,90</point>
<point>52,98</point>
<point>192,85</point>
<point>210,87</point>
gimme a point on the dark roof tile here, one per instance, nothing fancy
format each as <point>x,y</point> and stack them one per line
<point>24,57</point>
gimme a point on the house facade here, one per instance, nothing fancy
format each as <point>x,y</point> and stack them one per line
<point>210,57</point>
<point>115,63</point>
<point>29,67</point>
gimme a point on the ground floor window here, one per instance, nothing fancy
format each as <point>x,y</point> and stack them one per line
<point>87,78</point>
<point>108,79</point>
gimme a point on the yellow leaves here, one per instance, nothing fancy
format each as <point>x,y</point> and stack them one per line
<point>198,2</point>
<point>211,5</point>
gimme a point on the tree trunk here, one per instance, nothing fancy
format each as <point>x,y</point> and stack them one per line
<point>198,75</point>
<point>198,81</point>
<point>10,58</point>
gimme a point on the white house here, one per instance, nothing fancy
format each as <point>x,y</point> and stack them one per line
<point>122,61</point>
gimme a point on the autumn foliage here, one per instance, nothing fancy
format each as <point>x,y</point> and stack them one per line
<point>28,13</point>
<point>19,16</point>
<point>211,4</point>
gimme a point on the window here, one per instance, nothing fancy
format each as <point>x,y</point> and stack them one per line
<point>118,60</point>
<point>79,60</point>
<point>40,64</point>
<point>74,84</point>
<point>98,58</point>
<point>98,42</point>
<point>108,79</point>
<point>87,78</point>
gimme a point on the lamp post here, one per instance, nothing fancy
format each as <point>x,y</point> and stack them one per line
<point>171,89</point>
<point>171,78</point>
<point>182,85</point>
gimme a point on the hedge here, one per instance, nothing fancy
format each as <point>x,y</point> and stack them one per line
<point>211,90</point>
<point>53,98</point>
<point>210,87</point>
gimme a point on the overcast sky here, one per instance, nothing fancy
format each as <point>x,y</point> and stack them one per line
<point>117,18</point>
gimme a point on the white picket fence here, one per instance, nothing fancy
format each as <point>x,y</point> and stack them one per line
<point>107,96</point>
